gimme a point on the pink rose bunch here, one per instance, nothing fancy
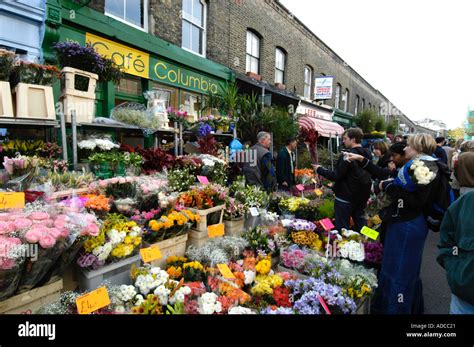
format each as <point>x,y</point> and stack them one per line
<point>45,236</point>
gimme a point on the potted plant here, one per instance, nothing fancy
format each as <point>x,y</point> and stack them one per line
<point>6,65</point>
<point>32,87</point>
<point>82,67</point>
<point>234,214</point>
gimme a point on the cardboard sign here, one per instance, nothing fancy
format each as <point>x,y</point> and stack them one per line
<point>254,212</point>
<point>150,253</point>
<point>12,200</point>
<point>300,187</point>
<point>370,233</point>
<point>318,192</point>
<point>215,230</point>
<point>203,179</point>
<point>323,304</point>
<point>326,224</point>
<point>225,271</point>
<point>93,301</point>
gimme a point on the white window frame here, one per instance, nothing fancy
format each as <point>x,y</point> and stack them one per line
<point>204,28</point>
<point>254,36</point>
<point>337,100</point>
<point>345,99</point>
<point>284,65</point>
<point>145,17</point>
<point>306,84</point>
<point>356,108</point>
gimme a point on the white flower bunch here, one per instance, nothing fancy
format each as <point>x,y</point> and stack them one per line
<point>210,160</point>
<point>116,237</point>
<point>103,144</point>
<point>422,173</point>
<point>208,304</point>
<point>269,218</point>
<point>162,292</point>
<point>126,293</point>
<point>241,310</point>
<point>102,252</point>
<point>87,144</point>
<point>249,276</point>
<point>180,294</point>
<point>353,251</point>
<point>355,273</point>
<point>139,299</point>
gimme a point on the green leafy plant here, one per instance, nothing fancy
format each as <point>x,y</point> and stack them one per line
<point>7,59</point>
<point>366,120</point>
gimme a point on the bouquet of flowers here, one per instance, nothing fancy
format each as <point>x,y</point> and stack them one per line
<point>20,165</point>
<point>234,209</point>
<point>292,204</point>
<point>203,197</point>
<point>213,168</point>
<point>180,180</point>
<point>219,250</point>
<point>118,238</point>
<point>294,257</point>
<point>420,171</point>
<point>92,144</point>
<point>99,204</point>
<point>304,175</point>
<point>373,253</point>
<point>12,260</point>
<point>357,281</point>
<point>66,180</point>
<point>181,117</point>
<point>171,225</point>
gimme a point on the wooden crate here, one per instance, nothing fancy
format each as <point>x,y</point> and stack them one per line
<point>197,238</point>
<point>202,225</point>
<point>34,101</point>
<point>234,227</point>
<point>32,300</point>
<point>175,246</point>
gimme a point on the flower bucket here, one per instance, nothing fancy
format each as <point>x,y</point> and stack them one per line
<point>116,273</point>
<point>211,216</point>
<point>120,170</point>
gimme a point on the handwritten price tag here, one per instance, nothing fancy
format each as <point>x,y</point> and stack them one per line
<point>12,200</point>
<point>225,271</point>
<point>370,233</point>
<point>318,192</point>
<point>215,230</point>
<point>300,187</point>
<point>326,224</point>
<point>93,301</point>
<point>203,179</point>
<point>254,211</point>
<point>151,253</point>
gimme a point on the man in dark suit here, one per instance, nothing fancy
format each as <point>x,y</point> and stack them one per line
<point>286,164</point>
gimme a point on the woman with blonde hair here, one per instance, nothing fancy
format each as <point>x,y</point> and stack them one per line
<point>400,289</point>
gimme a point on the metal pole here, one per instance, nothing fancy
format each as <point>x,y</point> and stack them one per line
<point>176,139</point>
<point>181,139</point>
<point>74,139</point>
<point>330,146</point>
<point>263,98</point>
<point>63,135</point>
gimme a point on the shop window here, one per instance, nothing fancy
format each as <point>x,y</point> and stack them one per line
<point>308,77</point>
<point>129,85</point>
<point>170,94</point>
<point>253,53</point>
<point>194,26</point>
<point>131,12</point>
<point>338,96</point>
<point>280,61</point>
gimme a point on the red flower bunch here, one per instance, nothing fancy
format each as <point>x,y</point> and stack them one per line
<point>226,303</point>
<point>310,137</point>
<point>208,145</point>
<point>281,295</point>
<point>191,306</point>
<point>155,159</point>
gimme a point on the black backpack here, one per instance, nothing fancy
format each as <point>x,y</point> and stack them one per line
<point>441,197</point>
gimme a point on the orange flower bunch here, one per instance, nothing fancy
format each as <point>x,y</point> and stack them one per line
<point>175,272</point>
<point>249,263</point>
<point>238,295</point>
<point>304,172</point>
<point>97,202</point>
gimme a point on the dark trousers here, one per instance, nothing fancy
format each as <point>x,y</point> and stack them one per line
<point>344,212</point>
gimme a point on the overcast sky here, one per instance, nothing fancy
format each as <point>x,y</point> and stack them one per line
<point>418,53</point>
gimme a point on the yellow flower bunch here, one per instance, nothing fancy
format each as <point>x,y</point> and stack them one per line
<point>359,293</point>
<point>94,242</point>
<point>193,265</point>
<point>374,221</point>
<point>265,284</point>
<point>172,219</point>
<point>262,288</point>
<point>122,250</point>
<point>307,238</point>
<point>293,204</point>
<point>176,259</point>
<point>263,266</point>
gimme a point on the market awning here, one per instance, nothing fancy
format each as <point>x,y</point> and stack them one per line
<point>323,127</point>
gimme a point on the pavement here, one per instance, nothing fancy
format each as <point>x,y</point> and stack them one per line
<point>436,291</point>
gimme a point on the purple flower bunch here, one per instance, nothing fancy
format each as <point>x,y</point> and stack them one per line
<point>306,294</point>
<point>316,267</point>
<point>373,252</point>
<point>89,261</point>
<point>302,224</point>
<point>279,310</point>
<point>204,130</point>
<point>294,258</point>
<point>86,58</point>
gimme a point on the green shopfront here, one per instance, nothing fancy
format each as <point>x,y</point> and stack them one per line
<point>345,119</point>
<point>149,62</point>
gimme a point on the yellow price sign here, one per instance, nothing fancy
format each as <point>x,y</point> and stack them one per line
<point>151,253</point>
<point>12,200</point>
<point>370,233</point>
<point>93,301</point>
<point>225,271</point>
<point>215,230</point>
